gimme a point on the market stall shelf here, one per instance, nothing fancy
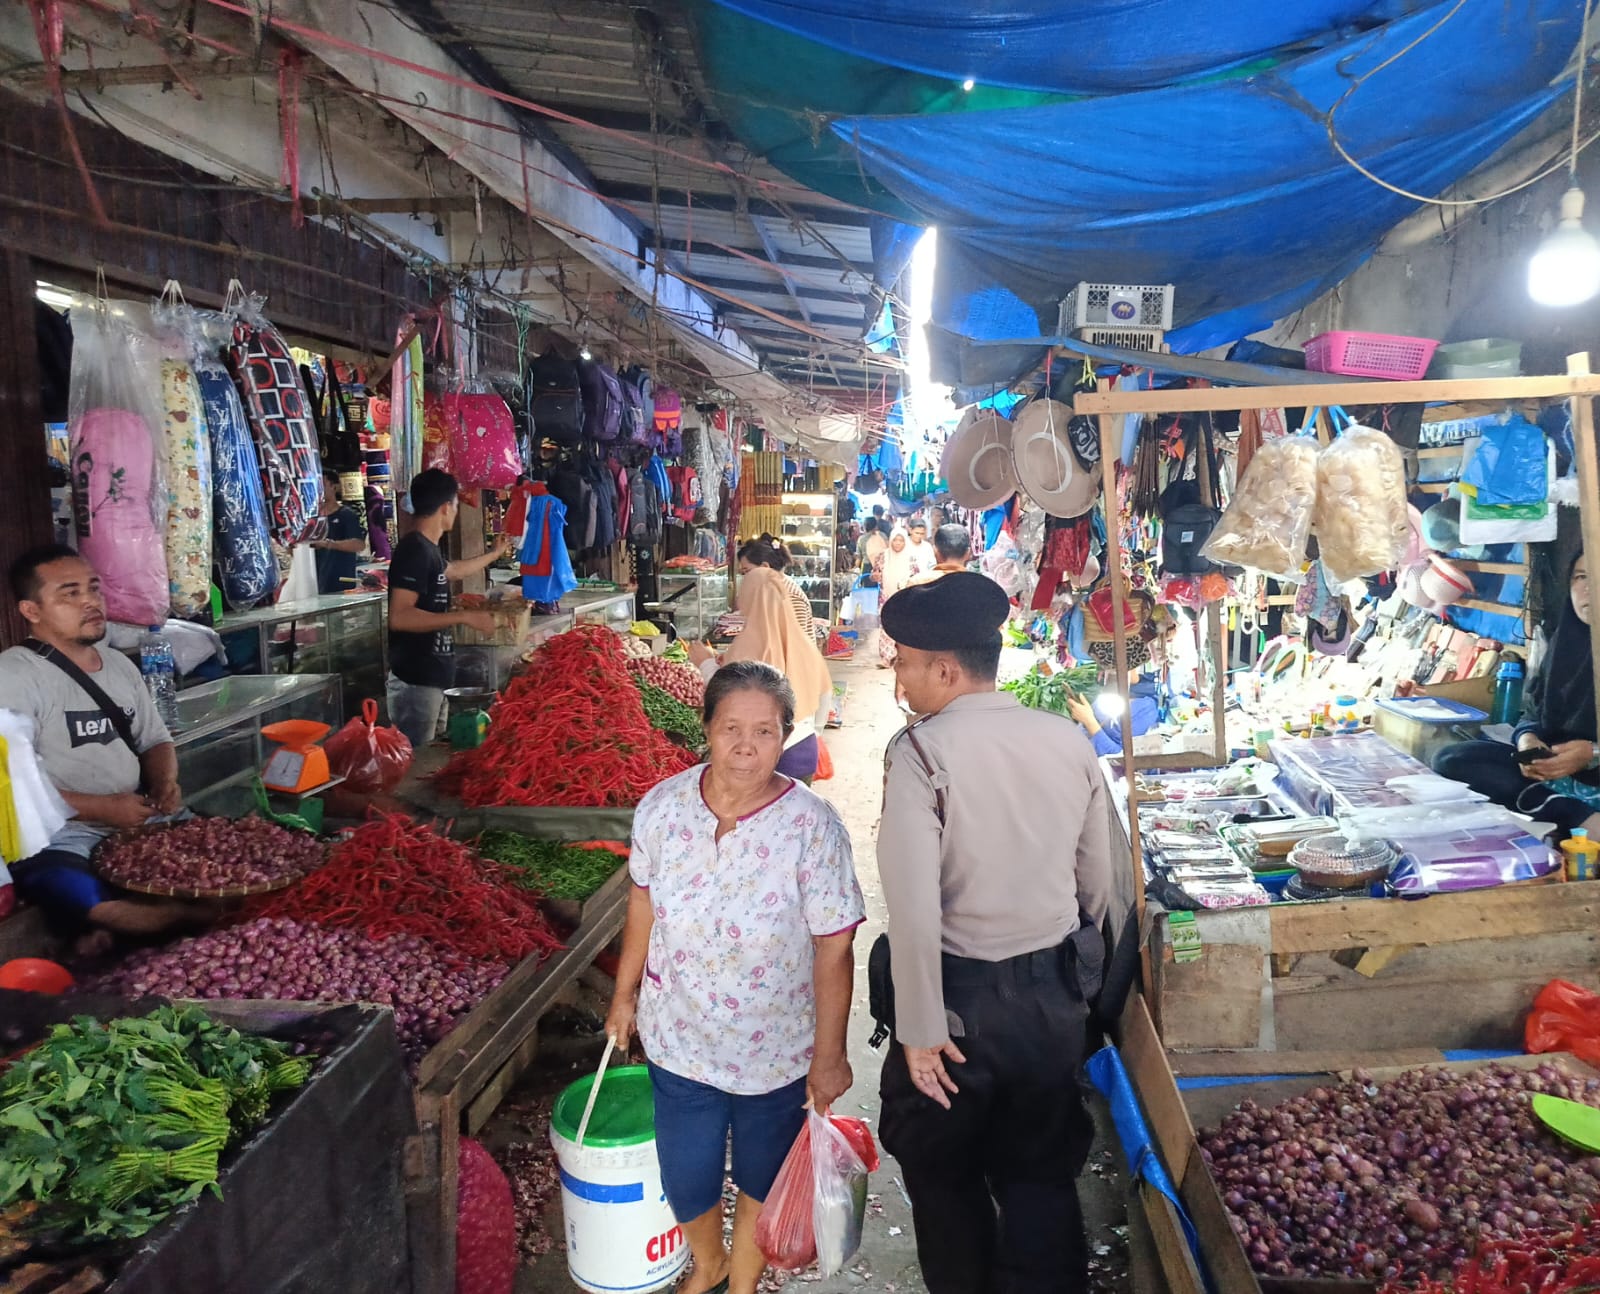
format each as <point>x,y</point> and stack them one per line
<point>469,1073</point>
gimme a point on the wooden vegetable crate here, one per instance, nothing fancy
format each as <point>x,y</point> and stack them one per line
<point>1172,1116</point>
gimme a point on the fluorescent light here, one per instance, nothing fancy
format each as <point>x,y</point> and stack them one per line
<point>51,295</point>
<point>1565,270</point>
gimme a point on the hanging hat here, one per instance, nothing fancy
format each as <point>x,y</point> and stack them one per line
<point>1441,525</point>
<point>1041,448</point>
<point>977,465</point>
<point>1434,585</point>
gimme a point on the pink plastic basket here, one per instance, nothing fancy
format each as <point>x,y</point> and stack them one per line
<point>1370,354</point>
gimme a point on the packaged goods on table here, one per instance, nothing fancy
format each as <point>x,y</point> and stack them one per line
<point>1343,772</point>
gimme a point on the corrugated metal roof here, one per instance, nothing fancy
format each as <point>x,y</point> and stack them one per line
<point>652,148</point>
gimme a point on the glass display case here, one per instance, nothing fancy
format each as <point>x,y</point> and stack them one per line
<point>338,633</point>
<point>610,607</point>
<point>220,747</point>
<point>695,599</point>
<point>808,534</point>
<point>491,665</point>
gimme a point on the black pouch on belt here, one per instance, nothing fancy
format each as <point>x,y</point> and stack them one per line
<point>1086,961</point>
<point>880,991</point>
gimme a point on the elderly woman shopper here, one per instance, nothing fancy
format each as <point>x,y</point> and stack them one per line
<point>772,633</point>
<point>737,966</point>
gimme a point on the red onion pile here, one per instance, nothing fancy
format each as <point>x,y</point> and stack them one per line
<point>1403,1180</point>
<point>681,682</point>
<point>429,987</point>
<point>208,855</point>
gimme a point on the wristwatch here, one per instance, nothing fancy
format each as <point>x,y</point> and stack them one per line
<point>1594,757</point>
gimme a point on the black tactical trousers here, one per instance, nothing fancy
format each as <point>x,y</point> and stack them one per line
<point>992,1180</point>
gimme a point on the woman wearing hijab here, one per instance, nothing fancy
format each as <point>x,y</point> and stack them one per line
<point>1560,782</point>
<point>772,633</point>
<point>895,568</point>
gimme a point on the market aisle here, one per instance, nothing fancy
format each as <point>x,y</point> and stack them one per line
<point>887,1261</point>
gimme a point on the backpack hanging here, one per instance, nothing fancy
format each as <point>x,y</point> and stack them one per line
<point>644,391</point>
<point>1188,507</point>
<point>602,401</point>
<point>555,399</point>
<point>669,421</point>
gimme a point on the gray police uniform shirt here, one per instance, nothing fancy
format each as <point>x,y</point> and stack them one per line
<point>1025,846</point>
<point>77,742</point>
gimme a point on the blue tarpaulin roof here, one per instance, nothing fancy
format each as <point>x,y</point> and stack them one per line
<point>1228,189</point>
<point>1082,47</point>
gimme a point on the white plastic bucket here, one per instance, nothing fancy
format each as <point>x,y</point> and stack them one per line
<point>621,1235</point>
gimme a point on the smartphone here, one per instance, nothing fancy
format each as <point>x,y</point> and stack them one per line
<point>1534,754</point>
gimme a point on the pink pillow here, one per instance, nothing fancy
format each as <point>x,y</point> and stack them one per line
<point>113,486</point>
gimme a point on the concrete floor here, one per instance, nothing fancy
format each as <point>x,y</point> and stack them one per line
<point>887,1260</point>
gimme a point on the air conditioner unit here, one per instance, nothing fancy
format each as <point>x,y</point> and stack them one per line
<point>1116,305</point>
<point>1151,340</point>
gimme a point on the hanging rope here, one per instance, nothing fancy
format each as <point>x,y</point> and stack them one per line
<point>290,75</point>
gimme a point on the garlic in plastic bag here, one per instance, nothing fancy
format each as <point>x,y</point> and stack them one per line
<point>1266,525</point>
<point>1361,521</point>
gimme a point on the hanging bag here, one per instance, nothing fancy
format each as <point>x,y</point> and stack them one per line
<point>555,399</point>
<point>1188,507</point>
<point>602,401</point>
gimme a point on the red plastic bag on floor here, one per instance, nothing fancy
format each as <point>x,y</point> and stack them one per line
<point>1565,1017</point>
<point>486,1224</point>
<point>369,758</point>
<point>818,1203</point>
<point>824,763</point>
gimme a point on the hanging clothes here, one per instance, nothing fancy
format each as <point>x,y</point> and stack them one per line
<point>539,520</point>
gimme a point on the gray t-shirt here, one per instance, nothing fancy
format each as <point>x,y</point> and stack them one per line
<point>80,748</point>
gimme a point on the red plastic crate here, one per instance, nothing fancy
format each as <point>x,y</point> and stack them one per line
<point>1370,354</point>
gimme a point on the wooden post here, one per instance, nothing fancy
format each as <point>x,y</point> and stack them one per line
<point>1110,455</point>
<point>27,515</point>
<point>1585,452</point>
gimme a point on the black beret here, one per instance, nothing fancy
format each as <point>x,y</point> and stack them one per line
<point>962,609</point>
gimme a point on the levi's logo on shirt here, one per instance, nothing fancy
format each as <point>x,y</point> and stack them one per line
<point>90,728</point>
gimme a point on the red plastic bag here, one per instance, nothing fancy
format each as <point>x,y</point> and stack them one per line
<point>369,758</point>
<point>1565,1017</point>
<point>820,1191</point>
<point>824,763</point>
<point>486,1224</point>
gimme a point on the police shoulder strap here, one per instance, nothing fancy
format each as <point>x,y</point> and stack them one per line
<point>936,776</point>
<point>119,717</point>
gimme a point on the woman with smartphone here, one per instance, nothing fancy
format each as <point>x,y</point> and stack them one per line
<point>1552,769</point>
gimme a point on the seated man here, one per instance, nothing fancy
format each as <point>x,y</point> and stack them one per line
<point>114,770</point>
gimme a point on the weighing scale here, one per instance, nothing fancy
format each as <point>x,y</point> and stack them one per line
<point>299,765</point>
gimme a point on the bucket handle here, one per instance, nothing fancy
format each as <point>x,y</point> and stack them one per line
<point>594,1088</point>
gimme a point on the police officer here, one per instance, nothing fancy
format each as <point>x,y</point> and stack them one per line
<point>994,855</point>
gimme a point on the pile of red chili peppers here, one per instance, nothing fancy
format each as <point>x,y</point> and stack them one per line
<point>570,732</point>
<point>398,877</point>
<point>1548,1262</point>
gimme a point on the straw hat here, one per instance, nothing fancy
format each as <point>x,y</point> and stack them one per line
<point>1041,447</point>
<point>977,465</point>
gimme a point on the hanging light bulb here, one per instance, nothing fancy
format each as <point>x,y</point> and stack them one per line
<point>1565,271</point>
<point>584,352</point>
<point>968,85</point>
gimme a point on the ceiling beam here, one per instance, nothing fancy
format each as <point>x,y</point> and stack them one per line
<point>630,121</point>
<point>642,194</point>
<point>755,287</point>
<point>795,260</point>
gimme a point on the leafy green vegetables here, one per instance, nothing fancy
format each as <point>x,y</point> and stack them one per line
<point>1040,691</point>
<point>109,1127</point>
<point>550,867</point>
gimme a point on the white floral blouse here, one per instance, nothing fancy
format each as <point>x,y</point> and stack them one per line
<point>727,992</point>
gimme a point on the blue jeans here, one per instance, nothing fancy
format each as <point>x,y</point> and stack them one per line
<point>693,1123</point>
<point>417,711</point>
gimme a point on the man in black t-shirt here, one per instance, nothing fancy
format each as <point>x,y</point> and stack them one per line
<point>338,553</point>
<point>421,660</point>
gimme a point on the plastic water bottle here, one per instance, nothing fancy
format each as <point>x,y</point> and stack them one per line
<point>160,672</point>
<point>1507,705</point>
